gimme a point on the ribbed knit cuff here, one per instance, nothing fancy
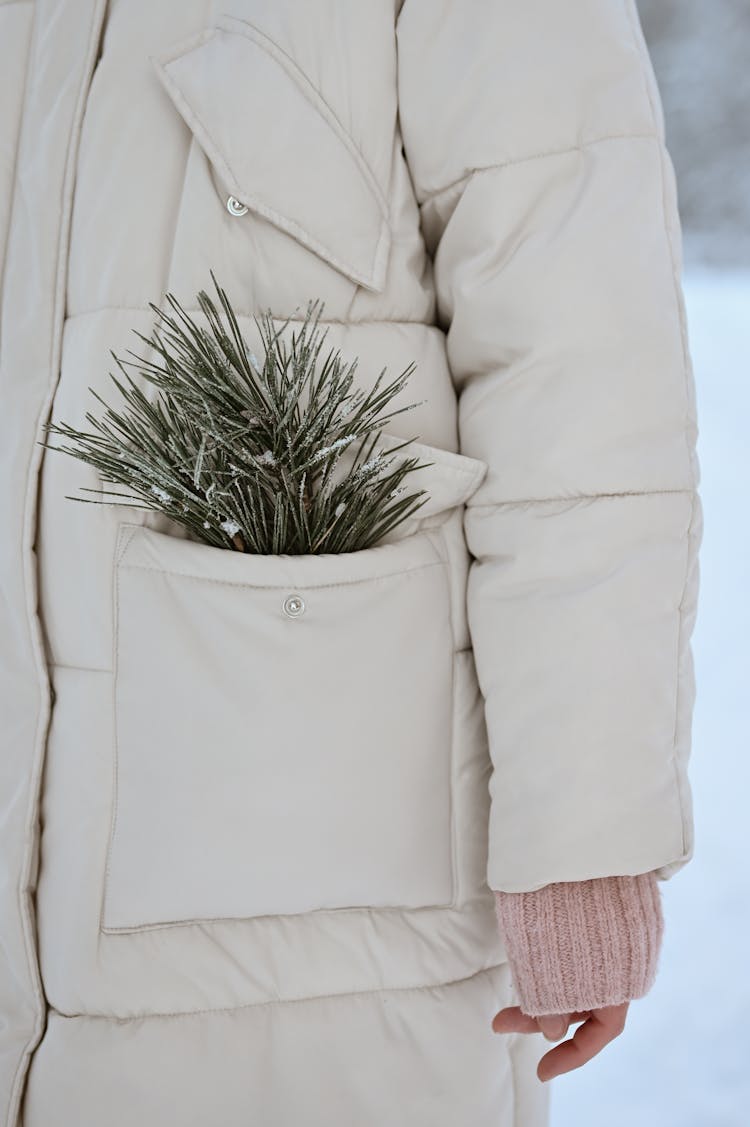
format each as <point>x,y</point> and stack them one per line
<point>580,945</point>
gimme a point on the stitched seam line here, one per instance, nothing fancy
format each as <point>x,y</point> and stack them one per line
<point>641,49</point>
<point>115,574</point>
<point>276,316</point>
<point>535,156</point>
<point>284,1001</point>
<point>311,93</point>
<point>279,586</point>
<point>29,945</point>
<point>79,668</point>
<point>200,921</point>
<point>179,207</point>
<point>292,228</point>
<point>29,579</point>
<point>582,497</point>
<point>452,772</point>
<point>124,538</point>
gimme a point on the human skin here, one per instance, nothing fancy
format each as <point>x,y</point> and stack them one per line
<point>598,1028</point>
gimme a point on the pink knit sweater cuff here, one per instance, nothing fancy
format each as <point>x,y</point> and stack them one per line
<point>580,945</point>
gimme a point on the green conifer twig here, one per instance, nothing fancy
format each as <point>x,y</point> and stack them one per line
<point>245,454</point>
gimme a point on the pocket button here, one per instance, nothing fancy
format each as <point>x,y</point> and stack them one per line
<point>235,207</point>
<point>294,605</point>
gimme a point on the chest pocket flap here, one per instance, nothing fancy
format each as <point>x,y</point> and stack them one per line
<point>278,146</point>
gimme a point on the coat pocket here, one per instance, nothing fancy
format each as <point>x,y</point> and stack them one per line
<point>283,724</point>
<point>276,148</point>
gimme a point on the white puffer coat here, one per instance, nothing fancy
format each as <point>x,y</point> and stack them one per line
<point>232,891</point>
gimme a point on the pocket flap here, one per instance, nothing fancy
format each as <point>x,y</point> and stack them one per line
<point>278,146</point>
<point>450,480</point>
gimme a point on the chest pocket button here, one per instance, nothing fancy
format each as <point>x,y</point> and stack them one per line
<point>235,207</point>
<point>294,605</point>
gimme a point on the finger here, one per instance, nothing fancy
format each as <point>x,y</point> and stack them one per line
<point>588,1040</point>
<point>554,1026</point>
<point>513,1020</point>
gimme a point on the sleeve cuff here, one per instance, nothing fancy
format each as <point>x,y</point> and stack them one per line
<point>581,945</point>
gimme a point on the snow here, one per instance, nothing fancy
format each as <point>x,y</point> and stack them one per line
<point>684,1057</point>
<point>325,450</point>
<point>254,362</point>
<point>161,493</point>
<point>370,465</point>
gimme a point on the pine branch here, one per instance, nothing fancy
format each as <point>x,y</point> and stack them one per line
<point>245,453</point>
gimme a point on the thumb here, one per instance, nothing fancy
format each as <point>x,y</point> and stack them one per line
<point>554,1026</point>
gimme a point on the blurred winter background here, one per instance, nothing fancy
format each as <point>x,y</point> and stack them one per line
<point>684,1058</point>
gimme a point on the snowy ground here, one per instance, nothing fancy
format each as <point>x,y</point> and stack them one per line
<point>684,1058</point>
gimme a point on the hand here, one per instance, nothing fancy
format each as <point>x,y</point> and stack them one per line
<point>599,1028</point>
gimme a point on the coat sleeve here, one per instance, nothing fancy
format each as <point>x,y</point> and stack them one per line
<point>534,136</point>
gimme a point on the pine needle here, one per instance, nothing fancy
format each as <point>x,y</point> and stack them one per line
<point>243,451</point>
